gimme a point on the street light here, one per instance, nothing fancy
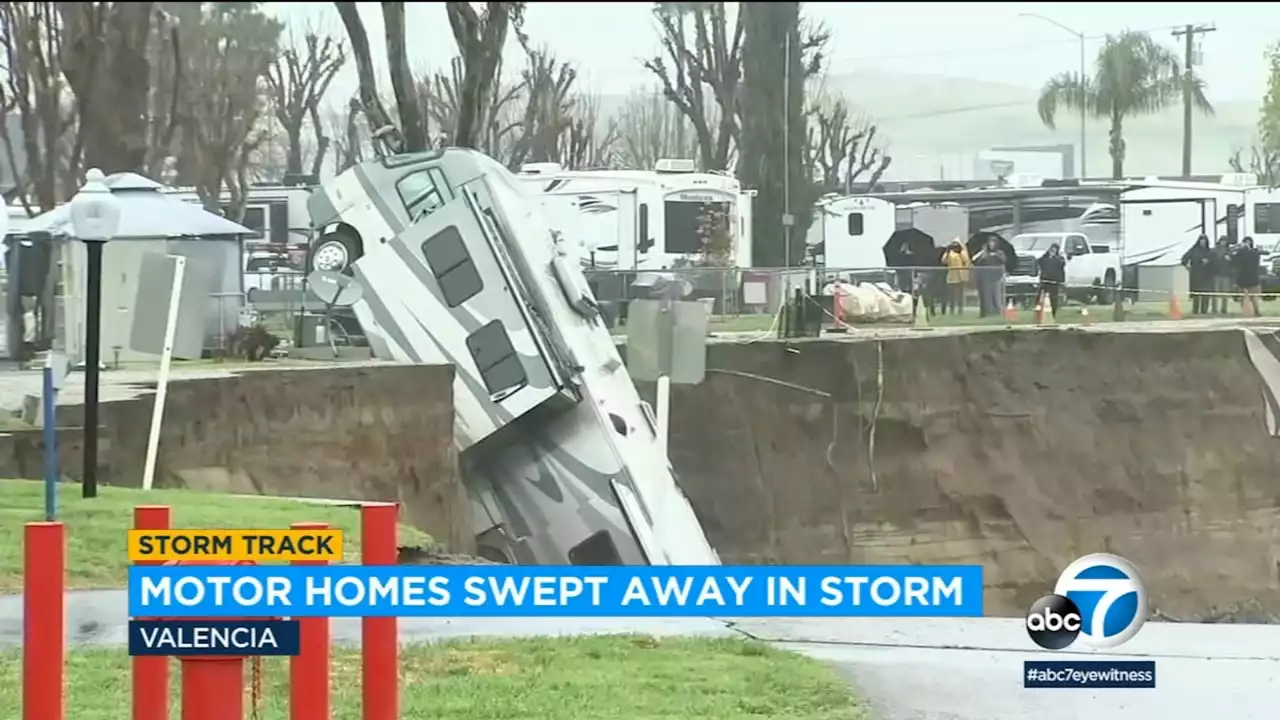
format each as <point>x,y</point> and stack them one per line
<point>95,217</point>
<point>1083,116</point>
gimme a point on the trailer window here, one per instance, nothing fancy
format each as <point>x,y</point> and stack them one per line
<point>450,262</point>
<point>691,226</point>
<point>1266,218</point>
<point>643,243</point>
<point>855,223</point>
<point>419,194</point>
<point>496,359</point>
<point>255,219</point>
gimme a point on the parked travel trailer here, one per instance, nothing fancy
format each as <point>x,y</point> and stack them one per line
<point>276,213</point>
<point>458,264</point>
<point>643,219</point>
<point>849,233</point>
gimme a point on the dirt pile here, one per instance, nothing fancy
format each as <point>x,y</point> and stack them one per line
<point>1019,451</point>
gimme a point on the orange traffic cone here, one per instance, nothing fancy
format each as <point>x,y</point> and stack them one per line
<point>1010,313</point>
<point>1040,309</point>
<point>1175,310</point>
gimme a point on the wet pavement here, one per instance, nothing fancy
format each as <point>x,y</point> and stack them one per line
<point>945,669</point>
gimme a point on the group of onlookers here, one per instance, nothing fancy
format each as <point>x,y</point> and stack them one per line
<point>1219,272</point>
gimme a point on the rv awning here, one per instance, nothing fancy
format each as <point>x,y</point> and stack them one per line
<point>146,213</point>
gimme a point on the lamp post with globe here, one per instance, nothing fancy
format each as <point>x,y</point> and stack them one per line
<point>95,217</point>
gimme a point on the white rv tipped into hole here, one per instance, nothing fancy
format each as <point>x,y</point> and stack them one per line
<point>458,265</point>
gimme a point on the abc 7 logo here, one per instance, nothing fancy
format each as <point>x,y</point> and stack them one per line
<point>1100,601</point>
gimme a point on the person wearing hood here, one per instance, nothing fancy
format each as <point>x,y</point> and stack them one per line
<point>989,265</point>
<point>1248,266</point>
<point>1223,279</point>
<point>1053,275</point>
<point>1199,262</point>
<point>956,259</point>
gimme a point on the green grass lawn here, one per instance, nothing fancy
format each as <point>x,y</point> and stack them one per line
<point>96,528</point>
<point>590,678</point>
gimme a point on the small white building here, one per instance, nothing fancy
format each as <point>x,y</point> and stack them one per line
<point>151,222</point>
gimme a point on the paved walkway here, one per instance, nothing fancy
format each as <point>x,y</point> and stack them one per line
<point>945,669</point>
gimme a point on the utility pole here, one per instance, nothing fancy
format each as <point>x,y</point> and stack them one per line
<point>1188,34</point>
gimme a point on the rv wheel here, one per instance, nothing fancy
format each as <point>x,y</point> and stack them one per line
<point>335,252</point>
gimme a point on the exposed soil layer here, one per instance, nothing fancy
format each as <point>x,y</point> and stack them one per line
<point>1019,451</point>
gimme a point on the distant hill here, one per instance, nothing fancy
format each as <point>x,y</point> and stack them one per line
<point>928,115</point>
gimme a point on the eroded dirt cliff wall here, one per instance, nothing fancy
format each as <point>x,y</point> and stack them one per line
<point>359,433</point>
<point>1019,451</point>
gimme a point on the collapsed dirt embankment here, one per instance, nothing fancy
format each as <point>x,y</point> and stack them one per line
<point>376,433</point>
<point>1018,451</point>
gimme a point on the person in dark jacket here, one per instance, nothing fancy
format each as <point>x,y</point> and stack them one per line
<point>1248,267</point>
<point>1223,277</point>
<point>989,266</point>
<point>1199,262</point>
<point>1053,273</point>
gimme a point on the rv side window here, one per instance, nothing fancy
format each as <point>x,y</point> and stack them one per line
<point>255,218</point>
<point>643,241</point>
<point>419,194</point>
<point>450,262</point>
<point>855,223</point>
<point>1266,218</point>
<point>496,358</point>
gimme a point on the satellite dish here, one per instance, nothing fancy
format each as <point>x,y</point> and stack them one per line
<point>334,289</point>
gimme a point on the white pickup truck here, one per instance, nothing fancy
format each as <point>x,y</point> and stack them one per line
<point>1092,268</point>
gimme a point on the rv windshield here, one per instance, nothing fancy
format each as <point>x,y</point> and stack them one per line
<point>1033,243</point>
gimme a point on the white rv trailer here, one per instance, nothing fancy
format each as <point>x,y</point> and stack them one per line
<point>276,213</point>
<point>458,265</point>
<point>849,233</point>
<point>1161,219</point>
<point>642,219</point>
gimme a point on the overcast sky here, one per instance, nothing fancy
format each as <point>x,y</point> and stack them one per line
<point>983,41</point>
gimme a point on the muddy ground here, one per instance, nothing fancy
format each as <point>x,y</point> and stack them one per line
<point>1017,450</point>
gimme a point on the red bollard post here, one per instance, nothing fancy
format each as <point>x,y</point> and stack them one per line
<point>151,673</point>
<point>213,688</point>
<point>44,594</point>
<point>380,655</point>
<point>309,689</point>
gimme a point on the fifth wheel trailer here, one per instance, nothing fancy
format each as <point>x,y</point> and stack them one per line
<point>559,455</point>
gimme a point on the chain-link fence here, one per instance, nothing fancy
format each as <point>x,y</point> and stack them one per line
<point>808,300</point>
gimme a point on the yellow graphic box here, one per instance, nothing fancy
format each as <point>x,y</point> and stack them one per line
<point>217,545</point>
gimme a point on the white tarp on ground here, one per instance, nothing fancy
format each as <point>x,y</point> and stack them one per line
<point>870,302</point>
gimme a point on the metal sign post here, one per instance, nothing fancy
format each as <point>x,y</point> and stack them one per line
<point>56,368</point>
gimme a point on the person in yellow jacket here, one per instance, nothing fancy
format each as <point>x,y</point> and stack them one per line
<point>956,258</point>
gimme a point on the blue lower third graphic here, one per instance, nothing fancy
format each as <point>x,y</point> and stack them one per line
<point>527,591</point>
<point>213,637</point>
<point>1089,674</point>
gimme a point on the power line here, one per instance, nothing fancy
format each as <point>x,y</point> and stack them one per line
<point>988,49</point>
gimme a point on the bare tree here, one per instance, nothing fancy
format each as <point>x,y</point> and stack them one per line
<point>104,60</point>
<point>164,94</point>
<point>1263,163</point>
<point>501,119</point>
<point>298,78</point>
<point>650,128</point>
<point>842,146</point>
<point>343,125</point>
<point>35,91</point>
<point>412,128</point>
<point>225,59</point>
<point>700,50</point>
<point>370,101</point>
<point>481,38</point>
<point>584,145</point>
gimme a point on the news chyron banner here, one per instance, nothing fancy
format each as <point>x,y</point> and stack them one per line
<point>240,609</point>
<point>221,636</point>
